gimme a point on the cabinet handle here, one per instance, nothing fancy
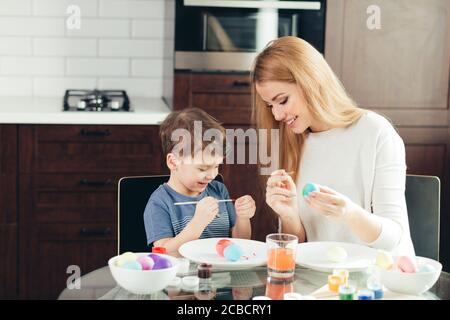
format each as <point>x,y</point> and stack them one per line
<point>95,133</point>
<point>94,183</point>
<point>241,84</point>
<point>89,232</point>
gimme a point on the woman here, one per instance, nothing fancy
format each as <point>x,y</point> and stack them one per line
<point>355,156</point>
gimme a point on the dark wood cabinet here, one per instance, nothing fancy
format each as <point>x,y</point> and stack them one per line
<point>227,97</point>
<point>48,250</point>
<point>8,211</point>
<point>68,177</point>
<point>86,149</point>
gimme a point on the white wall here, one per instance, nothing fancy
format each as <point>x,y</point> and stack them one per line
<point>120,45</point>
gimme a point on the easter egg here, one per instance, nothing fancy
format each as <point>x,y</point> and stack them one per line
<point>221,245</point>
<point>133,265</point>
<point>146,262</point>
<point>336,254</point>
<point>162,263</point>
<point>154,257</point>
<point>426,268</point>
<point>233,252</point>
<point>407,264</point>
<point>384,260</point>
<point>125,257</point>
<point>308,188</point>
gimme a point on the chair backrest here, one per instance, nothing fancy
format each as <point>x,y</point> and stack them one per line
<point>133,195</point>
<point>423,194</point>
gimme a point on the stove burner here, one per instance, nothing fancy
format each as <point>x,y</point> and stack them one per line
<point>96,100</point>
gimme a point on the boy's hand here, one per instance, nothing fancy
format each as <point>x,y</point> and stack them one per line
<point>245,207</point>
<point>206,210</point>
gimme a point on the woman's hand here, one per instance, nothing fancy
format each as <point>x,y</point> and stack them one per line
<point>332,204</point>
<point>245,207</point>
<point>281,194</point>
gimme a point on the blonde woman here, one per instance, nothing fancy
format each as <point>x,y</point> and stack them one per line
<point>355,156</point>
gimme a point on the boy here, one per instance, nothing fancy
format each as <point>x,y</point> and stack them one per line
<point>192,179</point>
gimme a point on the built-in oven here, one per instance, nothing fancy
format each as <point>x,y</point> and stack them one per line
<point>227,34</point>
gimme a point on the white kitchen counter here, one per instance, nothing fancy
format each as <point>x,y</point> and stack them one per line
<point>36,110</point>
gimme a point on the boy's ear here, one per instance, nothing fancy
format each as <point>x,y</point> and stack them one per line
<point>172,161</point>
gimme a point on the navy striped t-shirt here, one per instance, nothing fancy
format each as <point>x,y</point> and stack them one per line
<point>162,219</point>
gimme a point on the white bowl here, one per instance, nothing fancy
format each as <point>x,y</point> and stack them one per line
<point>411,283</point>
<point>143,281</point>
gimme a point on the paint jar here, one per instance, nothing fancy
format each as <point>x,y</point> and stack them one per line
<point>346,292</point>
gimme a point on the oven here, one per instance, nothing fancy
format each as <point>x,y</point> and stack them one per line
<point>226,35</point>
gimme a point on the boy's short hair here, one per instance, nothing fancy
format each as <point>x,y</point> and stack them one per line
<point>185,120</point>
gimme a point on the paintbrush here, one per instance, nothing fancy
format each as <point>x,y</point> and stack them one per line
<point>195,202</point>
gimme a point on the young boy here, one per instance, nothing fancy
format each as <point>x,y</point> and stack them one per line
<point>192,179</point>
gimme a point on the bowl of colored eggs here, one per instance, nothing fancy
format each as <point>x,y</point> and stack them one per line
<point>143,273</point>
<point>408,275</point>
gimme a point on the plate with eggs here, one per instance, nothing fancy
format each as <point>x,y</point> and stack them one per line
<point>328,255</point>
<point>226,253</point>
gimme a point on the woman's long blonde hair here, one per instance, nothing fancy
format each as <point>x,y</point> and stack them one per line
<point>293,60</point>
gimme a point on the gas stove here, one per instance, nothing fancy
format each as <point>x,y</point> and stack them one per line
<point>96,100</point>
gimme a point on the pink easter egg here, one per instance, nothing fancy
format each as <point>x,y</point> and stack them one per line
<point>407,264</point>
<point>147,263</point>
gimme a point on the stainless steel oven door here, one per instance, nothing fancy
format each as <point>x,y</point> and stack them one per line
<point>229,33</point>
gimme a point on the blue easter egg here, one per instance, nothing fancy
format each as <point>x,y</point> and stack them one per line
<point>426,268</point>
<point>308,188</point>
<point>233,252</point>
<point>133,265</point>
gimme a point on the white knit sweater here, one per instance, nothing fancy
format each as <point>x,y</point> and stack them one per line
<point>365,162</point>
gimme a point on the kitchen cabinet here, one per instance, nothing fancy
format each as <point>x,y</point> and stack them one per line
<point>227,97</point>
<point>8,211</point>
<point>400,70</point>
<point>68,178</point>
<point>404,64</point>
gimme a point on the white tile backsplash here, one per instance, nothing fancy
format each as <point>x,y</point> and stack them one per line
<point>26,26</point>
<point>64,47</point>
<point>147,68</point>
<point>15,86</point>
<point>120,45</point>
<point>132,8</point>
<point>15,7</point>
<point>101,28</point>
<point>15,46</point>
<point>98,67</point>
<point>148,29</point>
<point>56,86</point>
<point>131,48</point>
<point>58,8</point>
<point>31,66</point>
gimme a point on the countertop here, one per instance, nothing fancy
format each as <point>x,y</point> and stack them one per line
<point>40,110</point>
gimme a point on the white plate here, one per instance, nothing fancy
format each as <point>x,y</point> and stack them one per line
<point>204,251</point>
<point>313,255</point>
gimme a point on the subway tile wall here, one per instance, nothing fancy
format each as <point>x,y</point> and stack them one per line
<point>120,45</point>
